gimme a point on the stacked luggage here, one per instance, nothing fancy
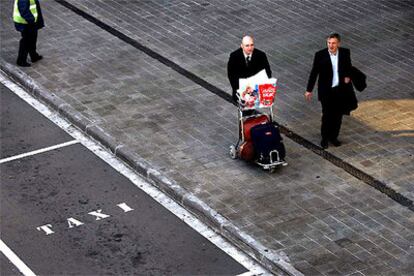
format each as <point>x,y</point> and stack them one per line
<point>259,136</point>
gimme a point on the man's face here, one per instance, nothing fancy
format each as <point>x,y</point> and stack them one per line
<point>333,44</point>
<point>247,46</point>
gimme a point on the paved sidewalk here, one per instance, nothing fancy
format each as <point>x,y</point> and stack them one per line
<point>311,214</point>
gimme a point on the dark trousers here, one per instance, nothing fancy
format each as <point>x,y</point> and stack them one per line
<point>27,44</point>
<point>331,115</point>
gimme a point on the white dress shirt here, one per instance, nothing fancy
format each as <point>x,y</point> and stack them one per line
<point>334,61</point>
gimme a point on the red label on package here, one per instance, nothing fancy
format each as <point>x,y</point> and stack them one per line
<point>267,93</point>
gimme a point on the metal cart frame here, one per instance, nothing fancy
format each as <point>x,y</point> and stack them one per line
<point>243,114</point>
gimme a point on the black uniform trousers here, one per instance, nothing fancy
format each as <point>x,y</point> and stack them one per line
<point>28,44</point>
<point>332,113</point>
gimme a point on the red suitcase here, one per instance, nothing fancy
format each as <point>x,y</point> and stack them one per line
<point>247,151</point>
<point>251,122</point>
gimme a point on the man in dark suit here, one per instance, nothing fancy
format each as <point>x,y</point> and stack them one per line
<point>246,62</point>
<point>332,66</point>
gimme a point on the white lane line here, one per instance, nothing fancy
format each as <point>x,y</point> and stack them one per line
<point>22,267</point>
<point>171,205</point>
<point>58,146</point>
<point>207,232</point>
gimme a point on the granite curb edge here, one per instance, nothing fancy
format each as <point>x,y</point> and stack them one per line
<point>274,261</point>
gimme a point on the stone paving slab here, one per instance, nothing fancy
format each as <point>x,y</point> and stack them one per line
<point>324,220</point>
<point>378,32</point>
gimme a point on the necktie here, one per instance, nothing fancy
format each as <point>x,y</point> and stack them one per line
<point>247,60</point>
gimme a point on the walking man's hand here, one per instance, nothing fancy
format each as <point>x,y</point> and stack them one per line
<point>308,96</point>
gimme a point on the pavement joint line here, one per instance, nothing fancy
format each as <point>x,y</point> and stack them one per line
<point>338,162</point>
<point>352,170</point>
<point>203,83</point>
<point>21,266</point>
<point>135,161</point>
<point>38,151</point>
<point>272,261</point>
<point>165,199</point>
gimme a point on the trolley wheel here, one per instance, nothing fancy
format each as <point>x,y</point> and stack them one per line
<point>233,152</point>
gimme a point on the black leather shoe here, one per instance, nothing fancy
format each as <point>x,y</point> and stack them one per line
<point>23,64</point>
<point>336,142</point>
<point>324,144</point>
<point>36,58</point>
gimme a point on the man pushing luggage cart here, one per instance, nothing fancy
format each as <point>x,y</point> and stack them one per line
<point>254,92</point>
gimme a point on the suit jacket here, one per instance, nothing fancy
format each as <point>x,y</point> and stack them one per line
<point>237,68</point>
<point>322,70</point>
<point>359,79</point>
<point>349,100</point>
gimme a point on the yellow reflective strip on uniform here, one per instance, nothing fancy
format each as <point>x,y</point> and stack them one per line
<point>17,17</point>
<point>16,14</point>
<point>33,9</point>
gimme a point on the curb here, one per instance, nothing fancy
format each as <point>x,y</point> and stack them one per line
<point>276,262</point>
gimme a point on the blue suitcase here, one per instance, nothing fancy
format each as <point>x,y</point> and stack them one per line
<point>267,143</point>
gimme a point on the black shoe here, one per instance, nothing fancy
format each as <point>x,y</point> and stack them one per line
<point>324,144</point>
<point>336,142</point>
<point>36,58</point>
<point>23,64</point>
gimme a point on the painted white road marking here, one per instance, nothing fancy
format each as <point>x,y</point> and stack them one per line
<point>22,267</point>
<point>73,222</point>
<point>31,153</point>
<point>162,198</point>
<point>248,273</point>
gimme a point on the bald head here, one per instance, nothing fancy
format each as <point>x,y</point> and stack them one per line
<point>247,45</point>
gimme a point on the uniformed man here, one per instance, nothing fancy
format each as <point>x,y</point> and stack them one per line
<point>28,19</point>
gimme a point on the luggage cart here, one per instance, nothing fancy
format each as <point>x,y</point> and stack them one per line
<point>249,116</point>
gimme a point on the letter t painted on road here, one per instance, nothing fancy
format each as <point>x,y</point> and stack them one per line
<point>46,228</point>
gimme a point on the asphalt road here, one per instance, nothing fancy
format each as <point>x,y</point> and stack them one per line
<point>6,267</point>
<point>66,211</point>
